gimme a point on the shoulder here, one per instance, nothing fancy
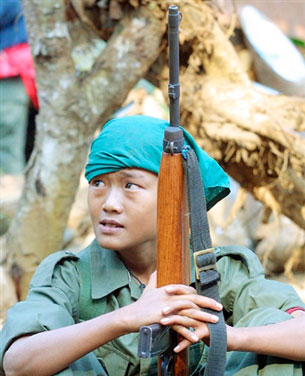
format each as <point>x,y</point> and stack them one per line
<point>236,257</point>
<point>66,261</point>
<point>243,286</point>
<point>45,271</point>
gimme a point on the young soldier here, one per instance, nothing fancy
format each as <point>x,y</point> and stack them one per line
<point>83,312</point>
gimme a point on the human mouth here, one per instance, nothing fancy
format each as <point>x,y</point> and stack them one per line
<point>109,226</point>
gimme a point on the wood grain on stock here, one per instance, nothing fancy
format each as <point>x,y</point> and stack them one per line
<point>173,262</point>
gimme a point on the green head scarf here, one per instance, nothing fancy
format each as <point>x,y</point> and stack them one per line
<point>137,142</point>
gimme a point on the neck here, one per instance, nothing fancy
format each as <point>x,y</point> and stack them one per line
<point>141,263</point>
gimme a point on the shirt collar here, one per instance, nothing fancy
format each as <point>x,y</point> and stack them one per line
<point>108,273</point>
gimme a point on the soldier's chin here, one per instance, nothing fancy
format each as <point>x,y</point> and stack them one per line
<point>108,243</point>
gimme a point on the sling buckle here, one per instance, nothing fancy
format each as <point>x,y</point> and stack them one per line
<point>204,260</point>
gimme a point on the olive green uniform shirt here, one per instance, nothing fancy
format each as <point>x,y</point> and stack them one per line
<point>67,289</point>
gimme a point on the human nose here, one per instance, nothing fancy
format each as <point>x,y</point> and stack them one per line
<point>113,201</point>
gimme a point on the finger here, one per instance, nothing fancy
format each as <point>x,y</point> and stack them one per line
<point>191,313</point>
<point>199,315</point>
<point>188,335</point>
<point>205,302</point>
<point>202,301</point>
<point>152,280</point>
<point>182,345</point>
<point>182,321</point>
<point>201,332</point>
<point>180,290</point>
<point>179,303</point>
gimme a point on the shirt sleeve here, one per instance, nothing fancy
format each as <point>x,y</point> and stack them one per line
<point>52,301</point>
<point>244,288</point>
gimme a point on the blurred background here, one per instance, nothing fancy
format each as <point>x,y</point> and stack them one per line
<point>50,58</point>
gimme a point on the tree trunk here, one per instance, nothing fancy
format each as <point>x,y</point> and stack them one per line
<point>71,109</point>
<point>253,136</point>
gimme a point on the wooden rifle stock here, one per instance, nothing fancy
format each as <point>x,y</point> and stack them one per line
<point>173,262</point>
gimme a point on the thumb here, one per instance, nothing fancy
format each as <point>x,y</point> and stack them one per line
<point>152,280</point>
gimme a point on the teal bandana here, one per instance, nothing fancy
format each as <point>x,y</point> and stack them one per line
<point>137,142</point>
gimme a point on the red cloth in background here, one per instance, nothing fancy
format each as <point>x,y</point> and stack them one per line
<point>17,61</point>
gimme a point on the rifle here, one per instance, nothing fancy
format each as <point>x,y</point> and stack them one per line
<point>173,260</point>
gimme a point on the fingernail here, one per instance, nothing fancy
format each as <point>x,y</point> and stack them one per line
<point>165,320</point>
<point>166,309</point>
<point>219,306</point>
<point>177,348</point>
<point>194,337</point>
<point>214,318</point>
<point>169,288</point>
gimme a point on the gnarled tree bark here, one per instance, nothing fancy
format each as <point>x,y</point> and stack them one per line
<point>71,109</point>
<point>255,137</point>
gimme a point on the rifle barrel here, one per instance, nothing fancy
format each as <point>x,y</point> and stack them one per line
<point>174,17</point>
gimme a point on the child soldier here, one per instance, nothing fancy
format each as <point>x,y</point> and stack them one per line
<point>83,312</point>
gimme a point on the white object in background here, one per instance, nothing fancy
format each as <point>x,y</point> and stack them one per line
<point>277,62</point>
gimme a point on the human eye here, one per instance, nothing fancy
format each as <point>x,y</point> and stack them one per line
<point>131,186</point>
<point>97,183</point>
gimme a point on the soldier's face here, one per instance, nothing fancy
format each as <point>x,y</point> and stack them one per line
<point>123,209</point>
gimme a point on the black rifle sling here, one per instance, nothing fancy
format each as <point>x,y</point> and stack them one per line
<point>207,275</point>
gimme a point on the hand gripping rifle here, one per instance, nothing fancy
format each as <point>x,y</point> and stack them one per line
<point>173,260</point>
